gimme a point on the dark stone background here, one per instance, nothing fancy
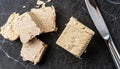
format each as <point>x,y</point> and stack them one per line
<point>97,55</point>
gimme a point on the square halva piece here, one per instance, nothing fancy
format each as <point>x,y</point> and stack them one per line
<point>28,26</point>
<point>75,37</point>
<point>47,18</point>
<point>33,50</point>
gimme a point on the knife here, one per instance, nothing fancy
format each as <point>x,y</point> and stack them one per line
<point>103,30</point>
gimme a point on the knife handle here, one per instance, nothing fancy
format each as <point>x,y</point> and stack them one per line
<point>114,53</point>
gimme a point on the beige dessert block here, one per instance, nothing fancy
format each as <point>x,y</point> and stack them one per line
<point>28,26</point>
<point>75,37</point>
<point>47,18</point>
<point>8,31</point>
<point>33,50</point>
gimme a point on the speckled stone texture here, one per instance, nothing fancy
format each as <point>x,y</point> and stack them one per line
<point>97,55</point>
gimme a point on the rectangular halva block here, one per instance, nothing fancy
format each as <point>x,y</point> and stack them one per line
<point>75,37</point>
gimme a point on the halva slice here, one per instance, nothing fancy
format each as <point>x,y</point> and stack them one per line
<point>75,37</point>
<point>28,26</point>
<point>33,50</point>
<point>8,31</point>
<point>47,18</point>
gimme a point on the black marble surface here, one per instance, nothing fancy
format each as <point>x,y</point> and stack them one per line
<point>97,55</point>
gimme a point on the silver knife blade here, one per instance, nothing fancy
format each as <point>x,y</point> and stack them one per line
<point>97,18</point>
<point>103,30</point>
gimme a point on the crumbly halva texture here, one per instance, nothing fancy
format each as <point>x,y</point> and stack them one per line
<point>49,0</point>
<point>8,31</point>
<point>47,18</point>
<point>75,37</point>
<point>33,50</point>
<point>39,2</point>
<point>28,26</point>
